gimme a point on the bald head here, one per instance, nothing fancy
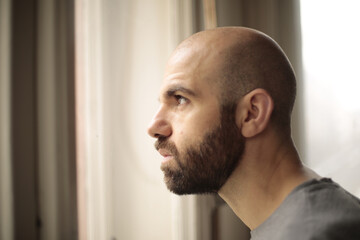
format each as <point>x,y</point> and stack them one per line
<point>239,60</point>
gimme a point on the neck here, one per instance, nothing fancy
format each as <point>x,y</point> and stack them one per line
<point>266,174</point>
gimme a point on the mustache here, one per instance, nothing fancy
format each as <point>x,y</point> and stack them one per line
<point>164,143</point>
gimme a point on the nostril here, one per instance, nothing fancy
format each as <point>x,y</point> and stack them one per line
<point>160,137</point>
<point>159,128</point>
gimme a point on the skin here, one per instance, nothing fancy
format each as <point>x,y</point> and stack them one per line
<point>270,167</point>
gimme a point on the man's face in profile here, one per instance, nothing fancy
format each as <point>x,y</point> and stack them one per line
<point>197,136</point>
<point>204,166</point>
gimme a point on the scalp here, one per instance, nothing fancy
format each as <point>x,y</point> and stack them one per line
<point>259,62</point>
<point>248,60</point>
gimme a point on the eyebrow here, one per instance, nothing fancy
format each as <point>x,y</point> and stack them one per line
<point>178,88</point>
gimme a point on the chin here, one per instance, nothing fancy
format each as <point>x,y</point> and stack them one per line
<point>184,188</point>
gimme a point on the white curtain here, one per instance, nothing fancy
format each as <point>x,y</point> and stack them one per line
<point>122,48</point>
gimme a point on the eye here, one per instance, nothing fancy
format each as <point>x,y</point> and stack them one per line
<point>180,99</point>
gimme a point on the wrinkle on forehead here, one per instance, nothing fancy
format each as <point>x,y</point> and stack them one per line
<point>186,59</point>
<point>193,61</point>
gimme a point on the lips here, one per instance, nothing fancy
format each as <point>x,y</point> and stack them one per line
<point>166,154</point>
<point>163,152</point>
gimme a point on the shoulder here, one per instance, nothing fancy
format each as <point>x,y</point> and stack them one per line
<point>329,211</point>
<point>318,209</point>
<point>326,198</point>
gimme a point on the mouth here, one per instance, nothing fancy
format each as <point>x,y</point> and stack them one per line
<point>167,156</point>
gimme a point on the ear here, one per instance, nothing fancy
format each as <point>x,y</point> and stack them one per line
<point>253,112</point>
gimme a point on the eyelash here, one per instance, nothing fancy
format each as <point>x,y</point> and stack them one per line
<point>179,98</point>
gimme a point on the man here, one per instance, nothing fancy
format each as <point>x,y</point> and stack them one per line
<point>223,127</point>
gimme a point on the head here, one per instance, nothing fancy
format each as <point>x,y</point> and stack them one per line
<point>221,88</point>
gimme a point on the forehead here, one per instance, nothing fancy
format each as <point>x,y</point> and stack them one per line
<point>193,68</point>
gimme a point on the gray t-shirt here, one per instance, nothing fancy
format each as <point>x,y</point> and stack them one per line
<point>316,210</point>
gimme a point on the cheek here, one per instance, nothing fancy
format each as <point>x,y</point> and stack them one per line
<point>184,137</point>
<point>190,128</point>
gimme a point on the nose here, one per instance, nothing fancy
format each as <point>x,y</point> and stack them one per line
<point>159,126</point>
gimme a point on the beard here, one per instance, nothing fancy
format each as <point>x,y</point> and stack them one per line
<point>205,168</point>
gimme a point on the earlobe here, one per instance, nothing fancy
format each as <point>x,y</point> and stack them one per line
<point>254,112</point>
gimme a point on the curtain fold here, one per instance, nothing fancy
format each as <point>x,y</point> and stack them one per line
<point>6,198</point>
<point>37,160</point>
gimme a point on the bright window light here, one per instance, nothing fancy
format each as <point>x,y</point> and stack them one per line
<point>331,55</point>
